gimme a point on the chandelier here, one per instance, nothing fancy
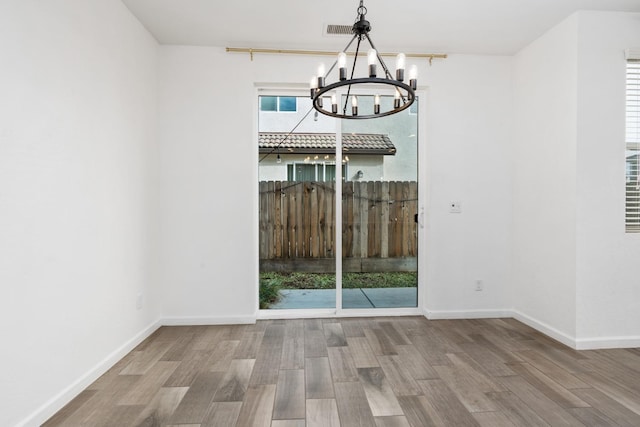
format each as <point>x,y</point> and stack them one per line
<point>404,94</point>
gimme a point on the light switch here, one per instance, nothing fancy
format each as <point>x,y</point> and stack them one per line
<point>455,207</point>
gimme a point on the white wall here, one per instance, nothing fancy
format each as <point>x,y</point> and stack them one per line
<point>208,211</point>
<point>469,152</point>
<point>544,169</point>
<point>608,276</point>
<point>77,165</point>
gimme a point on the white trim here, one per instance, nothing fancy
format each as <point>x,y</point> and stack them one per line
<point>53,405</point>
<point>301,313</point>
<point>633,54</point>
<point>208,320</point>
<point>607,342</point>
<point>271,314</point>
<point>546,329</point>
<point>466,314</point>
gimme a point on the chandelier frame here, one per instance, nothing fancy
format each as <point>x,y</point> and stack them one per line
<point>404,93</point>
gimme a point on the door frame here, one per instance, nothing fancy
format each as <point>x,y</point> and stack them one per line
<point>338,311</point>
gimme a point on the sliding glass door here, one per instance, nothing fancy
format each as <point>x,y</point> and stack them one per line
<point>336,190</point>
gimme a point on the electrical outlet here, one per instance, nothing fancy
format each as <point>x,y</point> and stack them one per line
<point>479,285</point>
<point>455,207</point>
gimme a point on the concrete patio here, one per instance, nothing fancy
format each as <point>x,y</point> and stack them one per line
<point>351,298</point>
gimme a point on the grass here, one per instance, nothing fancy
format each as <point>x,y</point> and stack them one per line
<point>271,283</point>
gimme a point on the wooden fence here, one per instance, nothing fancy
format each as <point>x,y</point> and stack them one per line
<point>297,225</point>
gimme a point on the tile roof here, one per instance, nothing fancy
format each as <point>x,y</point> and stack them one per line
<point>321,143</point>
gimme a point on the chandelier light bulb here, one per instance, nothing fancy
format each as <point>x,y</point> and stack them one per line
<point>354,105</point>
<point>376,104</point>
<point>313,85</point>
<point>372,56</point>
<point>334,104</point>
<point>321,73</point>
<point>396,99</point>
<point>342,64</point>
<point>413,77</point>
<point>401,60</point>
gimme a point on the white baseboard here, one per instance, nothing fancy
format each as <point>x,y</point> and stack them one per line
<point>208,320</point>
<point>57,402</point>
<point>607,342</point>
<point>466,314</point>
<point>546,329</point>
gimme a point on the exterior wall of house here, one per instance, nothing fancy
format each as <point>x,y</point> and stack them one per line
<point>401,128</point>
<point>370,165</point>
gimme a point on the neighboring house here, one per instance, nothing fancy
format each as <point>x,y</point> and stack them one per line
<point>311,156</point>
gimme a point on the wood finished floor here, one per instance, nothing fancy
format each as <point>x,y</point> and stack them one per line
<point>374,372</point>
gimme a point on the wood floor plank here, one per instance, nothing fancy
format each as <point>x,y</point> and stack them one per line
<point>609,406</point>
<point>148,385</point>
<point>194,406</point>
<point>235,382</point>
<point>380,342</point>
<point>416,365</point>
<point>288,423</point>
<point>322,413</point>
<point>353,407</point>
<point>492,363</point>
<point>448,407</point>
<point>395,421</point>
<point>120,415</point>
<point>161,407</point>
<point>592,417</point>
<point>343,367</point>
<point>334,335</point>
<point>290,395</point>
<point>249,345</point>
<point>99,406</point>
<point>318,382</point>
<point>267,365</point>
<point>362,353</point>
<point>396,337</point>
<point>190,366</point>
<point>353,327</point>
<point>382,401</point>
<point>257,407</point>
<point>293,346</point>
<point>546,408</point>
<point>613,389</point>
<point>516,410</point>
<point>399,378</point>
<point>493,419</point>
<point>315,344</point>
<point>61,416</point>
<point>221,356</point>
<point>548,387</point>
<point>468,391</point>
<point>222,414</point>
<point>560,375</point>
<point>420,412</point>
<point>145,360</point>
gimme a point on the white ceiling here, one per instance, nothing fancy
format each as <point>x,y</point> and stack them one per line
<point>500,27</point>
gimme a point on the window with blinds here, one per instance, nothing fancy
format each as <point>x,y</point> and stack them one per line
<point>632,152</point>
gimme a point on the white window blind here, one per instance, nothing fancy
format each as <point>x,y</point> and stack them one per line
<point>632,153</point>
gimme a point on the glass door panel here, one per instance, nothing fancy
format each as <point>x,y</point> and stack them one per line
<point>379,209</point>
<point>297,224</point>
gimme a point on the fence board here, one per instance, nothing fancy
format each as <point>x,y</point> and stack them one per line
<point>297,220</point>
